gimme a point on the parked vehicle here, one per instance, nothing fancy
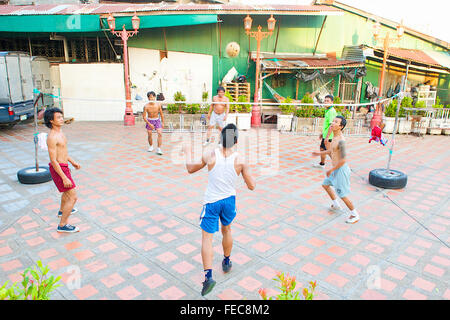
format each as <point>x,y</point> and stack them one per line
<point>40,68</point>
<point>16,88</point>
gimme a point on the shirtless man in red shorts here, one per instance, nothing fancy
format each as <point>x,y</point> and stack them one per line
<point>59,167</point>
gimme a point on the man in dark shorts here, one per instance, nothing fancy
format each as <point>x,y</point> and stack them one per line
<point>152,111</point>
<point>59,167</point>
<point>326,136</point>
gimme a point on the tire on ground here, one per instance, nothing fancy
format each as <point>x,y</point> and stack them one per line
<point>31,176</point>
<point>388,179</point>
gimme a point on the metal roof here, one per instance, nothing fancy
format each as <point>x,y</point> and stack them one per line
<point>309,63</point>
<point>384,21</point>
<point>165,8</point>
<point>415,56</point>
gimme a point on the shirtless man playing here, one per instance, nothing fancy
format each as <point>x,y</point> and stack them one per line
<point>152,120</point>
<point>218,113</point>
<point>225,166</point>
<point>59,167</point>
<point>339,175</point>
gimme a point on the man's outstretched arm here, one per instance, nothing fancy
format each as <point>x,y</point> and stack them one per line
<point>190,166</point>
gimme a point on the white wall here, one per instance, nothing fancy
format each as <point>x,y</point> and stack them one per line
<point>189,73</point>
<point>102,81</point>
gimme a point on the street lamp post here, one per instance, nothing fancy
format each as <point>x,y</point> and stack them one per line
<point>258,35</point>
<point>125,35</point>
<point>387,40</point>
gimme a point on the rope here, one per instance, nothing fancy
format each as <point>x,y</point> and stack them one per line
<point>231,102</point>
<point>406,212</point>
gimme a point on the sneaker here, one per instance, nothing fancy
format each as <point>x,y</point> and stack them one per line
<point>335,208</point>
<point>208,285</point>
<point>352,220</point>
<point>150,149</point>
<point>226,267</point>
<point>159,151</point>
<point>318,165</point>
<point>67,228</point>
<point>74,210</point>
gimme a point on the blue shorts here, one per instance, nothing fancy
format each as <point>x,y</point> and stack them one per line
<point>224,209</point>
<point>340,180</point>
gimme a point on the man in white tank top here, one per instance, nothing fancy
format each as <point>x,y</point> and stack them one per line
<point>224,167</point>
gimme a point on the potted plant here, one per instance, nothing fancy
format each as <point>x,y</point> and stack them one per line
<point>305,114</point>
<point>284,119</point>
<point>205,96</point>
<point>244,115</point>
<point>178,96</point>
<point>421,116</point>
<point>404,124</point>
<point>389,117</point>
<point>436,124</point>
<point>232,114</point>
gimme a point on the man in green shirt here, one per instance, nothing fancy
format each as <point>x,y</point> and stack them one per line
<point>326,136</point>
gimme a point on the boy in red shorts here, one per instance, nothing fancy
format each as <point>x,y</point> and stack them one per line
<point>59,167</point>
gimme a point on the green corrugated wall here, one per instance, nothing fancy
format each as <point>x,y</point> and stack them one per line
<point>298,34</point>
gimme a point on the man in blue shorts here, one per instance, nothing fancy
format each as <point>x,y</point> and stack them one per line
<point>224,167</point>
<point>339,175</point>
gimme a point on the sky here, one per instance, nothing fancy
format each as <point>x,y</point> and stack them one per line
<point>430,17</point>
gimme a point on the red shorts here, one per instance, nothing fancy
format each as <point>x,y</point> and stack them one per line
<point>58,180</point>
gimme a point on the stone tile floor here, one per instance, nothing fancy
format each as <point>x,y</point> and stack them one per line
<point>138,215</point>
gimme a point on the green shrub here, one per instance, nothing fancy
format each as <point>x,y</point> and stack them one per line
<point>438,104</point>
<point>205,95</point>
<point>337,100</point>
<point>178,96</point>
<point>339,109</point>
<point>287,109</point>
<point>346,113</point>
<point>172,108</point>
<point>35,285</point>
<point>192,108</point>
<point>305,111</point>
<point>307,99</point>
<point>319,112</point>
<point>391,108</point>
<point>406,103</point>
<point>243,108</point>
<point>287,286</point>
<point>420,105</point>
<point>233,107</point>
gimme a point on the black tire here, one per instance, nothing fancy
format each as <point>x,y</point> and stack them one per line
<point>388,179</point>
<point>30,176</point>
<point>8,125</point>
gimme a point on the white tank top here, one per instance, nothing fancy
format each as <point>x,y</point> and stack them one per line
<point>221,179</point>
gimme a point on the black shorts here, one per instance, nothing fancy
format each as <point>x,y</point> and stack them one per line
<point>322,144</point>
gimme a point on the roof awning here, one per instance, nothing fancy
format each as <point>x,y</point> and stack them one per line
<point>91,23</point>
<point>419,59</point>
<point>50,23</point>
<point>165,8</point>
<point>284,62</point>
<point>171,20</point>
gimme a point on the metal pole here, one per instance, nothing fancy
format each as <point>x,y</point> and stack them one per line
<point>396,118</point>
<point>36,131</point>
<point>98,50</point>
<point>256,114</point>
<point>128,118</point>
<point>29,45</point>
<point>320,33</point>
<point>377,116</point>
